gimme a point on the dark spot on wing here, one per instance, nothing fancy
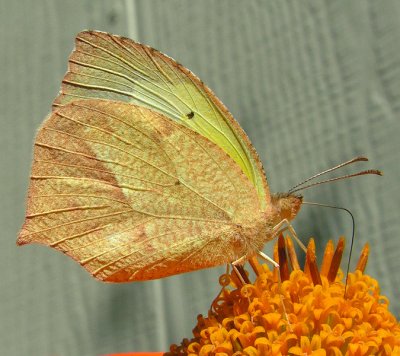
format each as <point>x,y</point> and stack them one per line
<point>190,115</point>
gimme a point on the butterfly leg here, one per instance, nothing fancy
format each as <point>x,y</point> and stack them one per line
<point>237,266</point>
<point>286,225</point>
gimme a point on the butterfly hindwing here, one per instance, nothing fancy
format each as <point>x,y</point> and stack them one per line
<point>132,194</point>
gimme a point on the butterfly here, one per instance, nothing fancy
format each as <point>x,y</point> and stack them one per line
<point>140,172</point>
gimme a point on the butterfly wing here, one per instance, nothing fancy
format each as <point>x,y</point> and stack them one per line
<point>133,195</point>
<point>112,67</point>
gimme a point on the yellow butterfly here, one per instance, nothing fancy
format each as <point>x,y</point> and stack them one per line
<point>140,172</point>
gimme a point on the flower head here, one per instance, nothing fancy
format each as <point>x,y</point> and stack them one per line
<point>298,312</point>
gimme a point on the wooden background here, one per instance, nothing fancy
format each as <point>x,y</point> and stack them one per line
<point>312,82</point>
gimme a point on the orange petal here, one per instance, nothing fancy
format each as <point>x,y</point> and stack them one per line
<point>250,351</point>
<point>326,261</point>
<point>296,351</point>
<point>362,262</point>
<point>283,261</point>
<point>337,258</point>
<point>257,268</point>
<point>311,263</point>
<point>292,254</point>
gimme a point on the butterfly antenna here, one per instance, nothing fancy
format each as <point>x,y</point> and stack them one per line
<point>362,173</point>
<point>353,160</point>
<point>352,233</point>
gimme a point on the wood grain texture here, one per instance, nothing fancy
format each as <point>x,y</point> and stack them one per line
<point>312,83</point>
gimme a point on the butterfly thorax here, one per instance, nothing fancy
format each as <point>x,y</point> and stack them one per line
<point>260,230</point>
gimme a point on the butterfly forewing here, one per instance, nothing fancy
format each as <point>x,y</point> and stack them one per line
<point>131,194</point>
<point>112,67</point>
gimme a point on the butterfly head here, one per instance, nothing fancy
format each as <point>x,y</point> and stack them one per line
<point>287,205</point>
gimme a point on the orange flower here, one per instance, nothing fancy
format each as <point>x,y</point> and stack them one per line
<point>310,312</point>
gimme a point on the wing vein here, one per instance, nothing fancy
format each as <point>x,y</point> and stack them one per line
<point>92,180</point>
<point>114,235</point>
<point>64,210</point>
<point>103,160</point>
<point>103,171</point>
<point>128,78</point>
<point>79,221</point>
<point>55,243</point>
<point>78,196</point>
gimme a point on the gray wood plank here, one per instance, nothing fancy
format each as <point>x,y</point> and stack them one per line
<point>312,83</point>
